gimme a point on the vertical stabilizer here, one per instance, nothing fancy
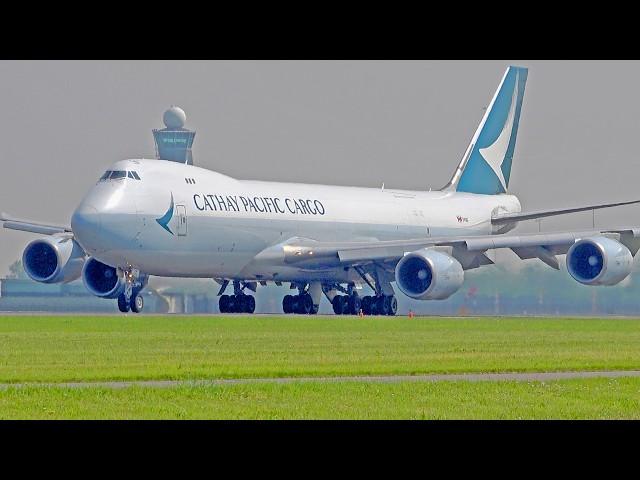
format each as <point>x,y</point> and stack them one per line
<point>486,165</point>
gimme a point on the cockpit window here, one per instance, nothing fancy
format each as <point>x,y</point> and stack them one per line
<point>117,174</point>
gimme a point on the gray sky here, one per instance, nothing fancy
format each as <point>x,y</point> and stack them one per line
<point>349,123</point>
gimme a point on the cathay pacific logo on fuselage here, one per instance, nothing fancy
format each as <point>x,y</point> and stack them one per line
<point>166,218</point>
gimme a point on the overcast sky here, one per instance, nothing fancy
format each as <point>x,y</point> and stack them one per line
<point>349,123</point>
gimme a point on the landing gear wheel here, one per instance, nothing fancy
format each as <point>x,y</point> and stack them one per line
<point>223,304</point>
<point>308,303</point>
<point>382,304</point>
<point>305,304</point>
<point>375,304</point>
<point>338,304</point>
<point>314,310</point>
<point>233,304</point>
<point>287,304</point>
<point>393,305</point>
<point>387,304</point>
<point>123,304</point>
<point>250,304</point>
<point>366,305</point>
<point>241,303</point>
<point>354,304</point>
<point>137,304</point>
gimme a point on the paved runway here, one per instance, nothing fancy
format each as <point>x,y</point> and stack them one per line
<point>469,377</point>
<point>403,315</point>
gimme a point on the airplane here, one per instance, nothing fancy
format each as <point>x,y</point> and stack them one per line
<point>148,217</point>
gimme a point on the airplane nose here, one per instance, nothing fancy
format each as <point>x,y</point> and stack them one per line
<point>86,224</point>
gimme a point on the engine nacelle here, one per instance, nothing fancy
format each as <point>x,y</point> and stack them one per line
<point>599,261</point>
<point>102,280</point>
<point>429,275</point>
<point>53,260</point>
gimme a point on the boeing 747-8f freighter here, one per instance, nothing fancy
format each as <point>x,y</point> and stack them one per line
<point>151,217</point>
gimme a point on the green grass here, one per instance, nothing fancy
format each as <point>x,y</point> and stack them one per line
<point>566,399</point>
<point>59,348</point>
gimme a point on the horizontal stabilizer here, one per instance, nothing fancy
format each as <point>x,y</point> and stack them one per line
<point>519,217</point>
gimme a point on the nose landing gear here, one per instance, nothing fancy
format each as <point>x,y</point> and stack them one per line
<point>131,299</point>
<point>134,303</point>
<point>137,304</point>
<point>123,303</point>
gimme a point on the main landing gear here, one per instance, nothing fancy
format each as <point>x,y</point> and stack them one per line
<point>307,302</point>
<point>239,302</point>
<point>131,299</point>
<point>302,303</point>
<point>380,305</point>
<point>346,304</point>
<point>370,305</point>
<point>383,302</point>
<point>242,303</point>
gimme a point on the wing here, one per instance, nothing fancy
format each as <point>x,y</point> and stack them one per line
<point>31,226</point>
<point>518,217</point>
<point>470,251</point>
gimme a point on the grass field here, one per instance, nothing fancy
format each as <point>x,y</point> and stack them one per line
<point>53,349</point>
<point>76,348</point>
<point>565,399</point>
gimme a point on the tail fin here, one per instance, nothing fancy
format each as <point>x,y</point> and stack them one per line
<point>486,165</point>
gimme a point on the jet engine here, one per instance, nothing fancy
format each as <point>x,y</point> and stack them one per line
<point>102,280</point>
<point>53,260</point>
<point>429,275</point>
<point>599,261</point>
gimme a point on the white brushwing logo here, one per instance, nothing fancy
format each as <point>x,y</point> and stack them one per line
<point>495,153</point>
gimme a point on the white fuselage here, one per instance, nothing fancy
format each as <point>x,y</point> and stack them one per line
<point>218,225</point>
